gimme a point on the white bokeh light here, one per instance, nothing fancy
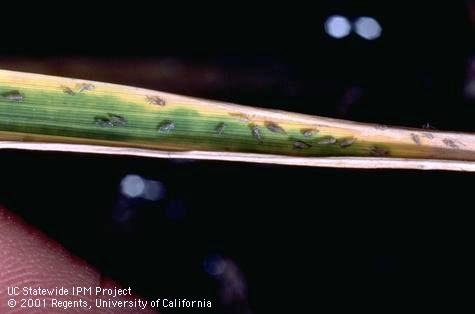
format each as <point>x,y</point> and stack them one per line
<point>337,26</point>
<point>368,28</point>
<point>135,186</point>
<point>154,190</point>
<point>132,185</point>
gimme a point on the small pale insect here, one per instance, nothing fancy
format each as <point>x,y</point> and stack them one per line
<point>347,142</point>
<point>378,152</point>
<point>416,139</point>
<point>103,122</point>
<point>67,90</point>
<point>301,145</point>
<point>241,116</point>
<point>308,132</point>
<point>428,126</point>
<point>155,100</point>
<point>116,119</point>
<point>220,128</point>
<point>256,132</point>
<point>274,127</point>
<point>13,95</point>
<point>450,143</point>
<point>166,126</point>
<point>327,140</point>
<point>84,87</point>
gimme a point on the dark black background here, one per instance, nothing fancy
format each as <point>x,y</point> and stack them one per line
<point>302,237</point>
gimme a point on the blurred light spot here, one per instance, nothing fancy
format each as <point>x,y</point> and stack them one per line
<point>154,190</point>
<point>470,82</point>
<point>132,185</point>
<point>176,210</point>
<point>233,287</point>
<point>232,282</point>
<point>368,28</point>
<point>470,90</point>
<point>214,265</point>
<point>337,26</point>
